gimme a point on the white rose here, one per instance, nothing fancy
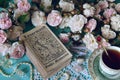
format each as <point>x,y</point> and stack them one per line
<point>38,18</point>
<point>4,49</point>
<point>89,12</point>
<point>115,18</point>
<point>64,22</point>
<point>86,6</point>
<point>77,22</point>
<point>17,50</point>
<point>115,22</point>
<point>90,42</point>
<point>66,6</point>
<point>107,32</point>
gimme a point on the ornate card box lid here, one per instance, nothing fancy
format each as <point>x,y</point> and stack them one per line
<point>44,49</point>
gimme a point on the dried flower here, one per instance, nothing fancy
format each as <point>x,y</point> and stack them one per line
<point>14,32</point>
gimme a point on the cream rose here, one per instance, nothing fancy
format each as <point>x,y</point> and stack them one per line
<point>107,32</point>
<point>77,22</point>
<point>17,50</point>
<point>66,6</point>
<point>38,18</point>
<point>64,22</point>
<point>90,42</point>
<point>88,10</point>
<point>115,22</point>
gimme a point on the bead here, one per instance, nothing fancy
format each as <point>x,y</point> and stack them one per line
<point>67,76</point>
<point>99,38</point>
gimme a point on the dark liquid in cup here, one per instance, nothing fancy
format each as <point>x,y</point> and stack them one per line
<point>113,61</point>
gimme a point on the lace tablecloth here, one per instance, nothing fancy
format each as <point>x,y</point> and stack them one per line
<point>74,71</point>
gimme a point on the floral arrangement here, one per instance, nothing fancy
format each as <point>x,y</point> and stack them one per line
<point>11,27</point>
<point>75,21</point>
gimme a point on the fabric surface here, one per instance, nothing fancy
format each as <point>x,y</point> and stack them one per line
<point>80,74</point>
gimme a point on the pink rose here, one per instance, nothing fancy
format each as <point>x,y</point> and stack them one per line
<point>103,4</point>
<point>3,36</point>
<point>117,7</point>
<point>98,9</point>
<point>109,12</point>
<point>17,50</point>
<point>64,37</point>
<point>5,23</point>
<point>23,5</point>
<point>91,25</point>
<point>54,18</point>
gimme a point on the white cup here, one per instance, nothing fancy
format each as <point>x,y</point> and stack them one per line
<point>107,71</point>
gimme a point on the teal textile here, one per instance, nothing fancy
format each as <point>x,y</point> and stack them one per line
<point>24,68</point>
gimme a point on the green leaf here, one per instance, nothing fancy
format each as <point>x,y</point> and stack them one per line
<point>23,18</point>
<point>4,3</point>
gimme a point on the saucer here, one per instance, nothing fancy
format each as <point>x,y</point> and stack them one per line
<point>93,66</point>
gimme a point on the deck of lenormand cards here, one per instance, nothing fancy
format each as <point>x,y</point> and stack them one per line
<point>45,51</point>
